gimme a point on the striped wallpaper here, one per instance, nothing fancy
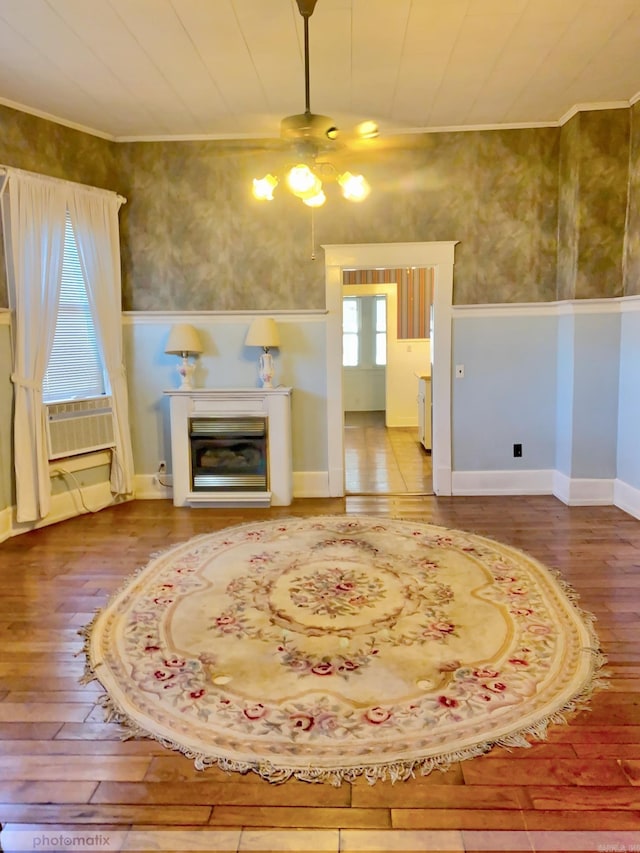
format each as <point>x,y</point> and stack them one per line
<point>415,295</point>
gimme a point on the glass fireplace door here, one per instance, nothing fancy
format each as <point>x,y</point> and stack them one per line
<point>228,454</point>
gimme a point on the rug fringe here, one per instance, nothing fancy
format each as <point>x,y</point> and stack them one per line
<point>396,771</point>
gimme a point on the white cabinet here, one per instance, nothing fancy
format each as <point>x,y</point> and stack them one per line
<point>424,411</point>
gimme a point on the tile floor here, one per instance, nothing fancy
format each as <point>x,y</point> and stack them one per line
<point>383,460</point>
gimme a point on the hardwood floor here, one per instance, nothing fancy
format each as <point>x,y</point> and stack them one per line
<point>382,460</point>
<point>64,770</point>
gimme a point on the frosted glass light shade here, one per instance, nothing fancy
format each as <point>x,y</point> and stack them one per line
<point>263,187</point>
<point>263,332</point>
<point>183,338</point>
<point>354,187</point>
<point>301,180</point>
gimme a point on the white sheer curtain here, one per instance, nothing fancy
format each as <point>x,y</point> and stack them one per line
<point>34,212</point>
<point>94,217</point>
<point>34,221</point>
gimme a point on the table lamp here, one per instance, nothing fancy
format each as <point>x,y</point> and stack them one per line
<point>184,341</point>
<point>263,332</point>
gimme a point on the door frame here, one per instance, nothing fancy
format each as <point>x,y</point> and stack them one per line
<point>440,256</point>
<point>390,292</point>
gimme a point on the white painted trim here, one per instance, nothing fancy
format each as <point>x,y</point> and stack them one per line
<point>310,484</point>
<point>168,318</point>
<point>626,498</point>
<point>204,137</point>
<point>69,505</point>
<point>573,492</point>
<point>5,523</point>
<point>520,309</point>
<point>589,306</point>
<point>614,305</point>
<point>314,315</point>
<point>146,487</point>
<point>590,107</point>
<point>400,131</point>
<point>390,291</point>
<point>630,304</point>
<point>583,491</point>
<point>533,482</point>
<point>22,108</point>
<point>439,255</point>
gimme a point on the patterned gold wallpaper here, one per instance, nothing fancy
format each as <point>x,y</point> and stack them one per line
<point>193,238</point>
<point>36,145</point>
<point>568,209</point>
<point>196,239</point>
<point>632,256</point>
<point>594,182</point>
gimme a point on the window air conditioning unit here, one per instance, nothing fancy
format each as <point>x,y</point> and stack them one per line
<point>79,426</point>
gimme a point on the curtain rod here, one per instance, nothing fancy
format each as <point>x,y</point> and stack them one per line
<point>6,170</point>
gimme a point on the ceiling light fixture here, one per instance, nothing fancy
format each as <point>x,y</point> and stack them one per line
<point>310,133</point>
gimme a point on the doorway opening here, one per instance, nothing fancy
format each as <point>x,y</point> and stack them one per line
<point>383,452</point>
<point>440,256</point>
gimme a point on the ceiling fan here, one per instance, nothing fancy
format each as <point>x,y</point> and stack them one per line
<point>311,134</point>
<point>312,127</point>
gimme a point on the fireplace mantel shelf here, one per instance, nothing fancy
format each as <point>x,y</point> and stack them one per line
<point>228,392</point>
<point>274,404</point>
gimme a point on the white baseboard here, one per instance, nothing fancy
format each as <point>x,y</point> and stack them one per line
<point>69,504</point>
<point>315,484</point>
<point>306,484</point>
<point>311,484</point>
<point>5,523</point>
<point>582,491</point>
<point>502,482</point>
<point>626,498</point>
<point>147,488</point>
<point>575,491</point>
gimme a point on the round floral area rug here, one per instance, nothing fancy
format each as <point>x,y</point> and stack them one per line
<point>327,647</point>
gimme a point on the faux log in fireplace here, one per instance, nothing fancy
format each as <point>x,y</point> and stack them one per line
<point>228,454</point>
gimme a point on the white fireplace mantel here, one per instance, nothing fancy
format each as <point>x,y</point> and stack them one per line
<point>274,404</point>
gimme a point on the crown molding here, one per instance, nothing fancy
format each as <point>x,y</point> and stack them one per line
<point>600,105</point>
<point>239,137</point>
<point>21,108</point>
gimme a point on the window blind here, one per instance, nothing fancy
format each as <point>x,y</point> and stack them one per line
<point>75,369</point>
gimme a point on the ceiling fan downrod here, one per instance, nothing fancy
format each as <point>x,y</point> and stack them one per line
<point>306,7</point>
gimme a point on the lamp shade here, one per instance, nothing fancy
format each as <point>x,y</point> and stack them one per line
<point>263,332</point>
<point>183,338</point>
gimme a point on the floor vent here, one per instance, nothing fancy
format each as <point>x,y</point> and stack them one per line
<point>79,426</point>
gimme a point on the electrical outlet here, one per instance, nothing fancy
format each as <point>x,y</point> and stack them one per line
<point>162,471</point>
<point>517,450</point>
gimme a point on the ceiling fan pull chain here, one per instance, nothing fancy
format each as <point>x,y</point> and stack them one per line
<point>313,234</point>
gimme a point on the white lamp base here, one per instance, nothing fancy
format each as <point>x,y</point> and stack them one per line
<point>185,372</point>
<point>265,369</point>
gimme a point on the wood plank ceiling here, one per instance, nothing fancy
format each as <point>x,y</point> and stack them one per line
<point>147,69</point>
